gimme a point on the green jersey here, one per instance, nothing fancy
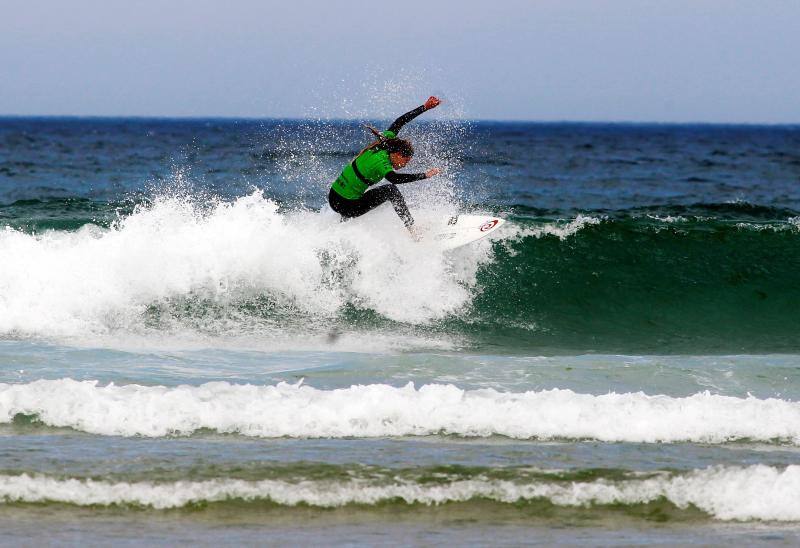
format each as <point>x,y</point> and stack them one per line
<point>368,168</point>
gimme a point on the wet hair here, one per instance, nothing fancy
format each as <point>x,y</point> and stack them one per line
<point>402,146</point>
<point>390,145</point>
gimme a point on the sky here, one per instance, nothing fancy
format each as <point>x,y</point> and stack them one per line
<point>724,61</point>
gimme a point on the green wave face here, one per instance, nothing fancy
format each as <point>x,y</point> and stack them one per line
<point>36,216</point>
<point>634,284</point>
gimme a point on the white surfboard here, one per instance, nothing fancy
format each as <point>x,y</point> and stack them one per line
<point>458,230</point>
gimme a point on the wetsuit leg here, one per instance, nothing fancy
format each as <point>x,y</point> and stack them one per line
<point>369,201</point>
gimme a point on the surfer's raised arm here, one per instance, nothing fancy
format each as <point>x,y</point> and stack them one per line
<point>400,178</point>
<point>397,125</point>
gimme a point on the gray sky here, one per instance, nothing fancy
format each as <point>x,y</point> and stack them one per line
<point>670,60</point>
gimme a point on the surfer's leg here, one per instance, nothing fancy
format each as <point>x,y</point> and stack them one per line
<point>389,192</point>
<point>370,200</point>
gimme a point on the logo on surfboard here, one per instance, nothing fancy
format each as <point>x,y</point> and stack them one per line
<point>488,225</point>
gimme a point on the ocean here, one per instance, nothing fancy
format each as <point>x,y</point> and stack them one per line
<point>194,348</point>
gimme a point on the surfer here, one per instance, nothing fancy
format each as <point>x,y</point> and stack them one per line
<point>350,195</point>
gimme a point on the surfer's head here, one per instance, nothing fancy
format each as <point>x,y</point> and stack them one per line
<point>400,151</point>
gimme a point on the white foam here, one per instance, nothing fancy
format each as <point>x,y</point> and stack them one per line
<point>669,219</point>
<point>790,224</point>
<point>375,410</point>
<point>756,492</point>
<point>95,282</point>
<point>560,229</point>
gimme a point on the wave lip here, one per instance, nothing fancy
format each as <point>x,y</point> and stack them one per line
<point>755,492</point>
<point>379,410</point>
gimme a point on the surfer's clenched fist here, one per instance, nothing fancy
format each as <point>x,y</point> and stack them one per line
<point>432,102</point>
<point>432,172</point>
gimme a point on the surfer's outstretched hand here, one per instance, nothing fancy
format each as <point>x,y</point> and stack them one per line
<point>432,172</point>
<point>432,102</point>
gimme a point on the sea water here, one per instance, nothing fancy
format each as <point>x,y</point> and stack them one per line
<point>194,348</point>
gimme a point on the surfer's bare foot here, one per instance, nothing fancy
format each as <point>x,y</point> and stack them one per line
<point>416,233</point>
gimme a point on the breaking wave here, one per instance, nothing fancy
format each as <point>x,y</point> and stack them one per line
<point>378,410</point>
<point>636,282</point>
<point>757,492</point>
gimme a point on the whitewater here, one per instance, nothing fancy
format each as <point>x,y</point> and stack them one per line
<point>286,410</point>
<point>758,492</point>
<point>307,264</point>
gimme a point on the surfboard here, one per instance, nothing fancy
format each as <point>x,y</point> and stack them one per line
<point>459,230</point>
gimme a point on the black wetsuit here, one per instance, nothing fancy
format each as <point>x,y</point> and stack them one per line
<point>356,205</point>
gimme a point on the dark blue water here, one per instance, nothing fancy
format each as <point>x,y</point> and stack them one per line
<point>552,167</point>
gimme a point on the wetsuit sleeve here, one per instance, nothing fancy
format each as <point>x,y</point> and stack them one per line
<point>406,118</point>
<point>400,178</point>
